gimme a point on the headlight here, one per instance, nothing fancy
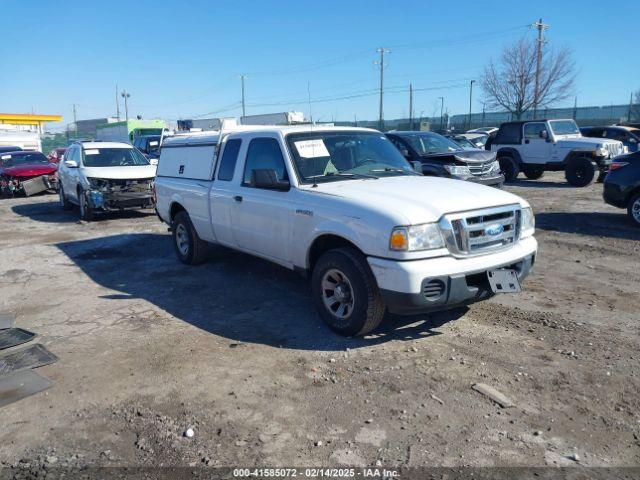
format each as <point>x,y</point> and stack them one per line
<point>416,237</point>
<point>602,151</point>
<point>458,170</point>
<point>527,222</point>
<point>93,182</point>
<point>495,166</point>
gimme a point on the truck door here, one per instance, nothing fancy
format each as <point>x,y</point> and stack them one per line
<point>535,149</point>
<point>223,192</point>
<point>262,218</point>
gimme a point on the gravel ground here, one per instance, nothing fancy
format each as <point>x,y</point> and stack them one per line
<point>233,349</point>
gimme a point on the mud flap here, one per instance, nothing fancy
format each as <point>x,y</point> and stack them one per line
<point>19,385</point>
<point>6,320</point>
<point>14,336</point>
<point>31,357</point>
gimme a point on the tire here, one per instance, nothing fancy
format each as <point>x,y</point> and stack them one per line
<point>580,172</point>
<point>633,209</point>
<point>533,173</point>
<point>190,249</point>
<point>510,169</point>
<point>86,211</point>
<point>362,309</point>
<point>64,203</point>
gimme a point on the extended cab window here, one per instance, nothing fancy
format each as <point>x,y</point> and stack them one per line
<point>229,159</point>
<point>264,153</point>
<point>532,130</point>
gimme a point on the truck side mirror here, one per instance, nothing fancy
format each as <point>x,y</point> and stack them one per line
<point>417,166</point>
<point>543,134</point>
<point>268,178</point>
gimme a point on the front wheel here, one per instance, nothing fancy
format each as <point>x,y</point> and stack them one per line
<point>634,209</point>
<point>345,292</point>
<point>86,210</point>
<point>509,167</point>
<point>580,172</point>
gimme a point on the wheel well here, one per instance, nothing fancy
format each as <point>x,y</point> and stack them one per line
<point>323,244</point>
<point>175,208</point>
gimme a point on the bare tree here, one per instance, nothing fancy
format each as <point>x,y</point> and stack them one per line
<point>510,81</point>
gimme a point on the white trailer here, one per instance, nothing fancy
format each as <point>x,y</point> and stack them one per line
<point>281,118</point>
<point>26,140</point>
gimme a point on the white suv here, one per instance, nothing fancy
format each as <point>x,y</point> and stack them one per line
<point>536,146</point>
<point>104,176</point>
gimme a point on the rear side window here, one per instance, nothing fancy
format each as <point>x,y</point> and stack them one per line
<point>264,153</point>
<point>229,159</point>
<point>509,134</point>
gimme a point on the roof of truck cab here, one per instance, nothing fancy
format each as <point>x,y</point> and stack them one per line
<point>212,137</point>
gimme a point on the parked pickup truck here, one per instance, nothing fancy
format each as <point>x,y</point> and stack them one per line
<point>344,207</point>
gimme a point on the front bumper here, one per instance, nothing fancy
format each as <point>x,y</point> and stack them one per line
<point>490,181</point>
<point>120,200</point>
<point>615,194</point>
<point>446,282</point>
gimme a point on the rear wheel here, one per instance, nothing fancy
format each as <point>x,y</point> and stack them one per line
<point>86,210</point>
<point>64,203</point>
<point>345,292</point>
<point>634,209</point>
<point>189,247</point>
<point>533,172</point>
<point>509,167</point>
<point>580,172</point>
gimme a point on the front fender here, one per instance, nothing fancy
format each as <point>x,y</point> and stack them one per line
<point>350,233</point>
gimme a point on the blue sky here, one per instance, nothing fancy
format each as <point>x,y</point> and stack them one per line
<point>183,59</point>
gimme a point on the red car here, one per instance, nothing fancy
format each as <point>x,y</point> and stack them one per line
<point>26,173</point>
<point>56,154</point>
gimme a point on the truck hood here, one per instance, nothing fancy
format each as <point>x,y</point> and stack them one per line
<point>471,156</point>
<point>419,199</point>
<point>28,170</point>
<point>128,173</point>
<point>583,142</point>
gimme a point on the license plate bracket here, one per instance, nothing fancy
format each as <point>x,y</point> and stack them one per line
<point>504,280</point>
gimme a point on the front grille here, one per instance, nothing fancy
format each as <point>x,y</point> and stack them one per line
<point>614,149</point>
<point>481,231</point>
<point>481,169</point>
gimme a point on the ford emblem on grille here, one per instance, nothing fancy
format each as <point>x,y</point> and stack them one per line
<point>494,230</point>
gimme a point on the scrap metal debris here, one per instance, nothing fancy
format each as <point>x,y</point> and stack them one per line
<point>31,357</point>
<point>493,394</point>
<point>11,337</point>
<point>18,385</point>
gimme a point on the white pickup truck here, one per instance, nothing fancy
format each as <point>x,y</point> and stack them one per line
<point>343,206</point>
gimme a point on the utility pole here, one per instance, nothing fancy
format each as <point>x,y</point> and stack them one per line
<point>575,107</point>
<point>381,51</point>
<point>470,99</point>
<point>410,106</point>
<point>441,111</point>
<point>536,94</point>
<point>126,96</point>
<point>630,107</point>
<point>117,104</point>
<point>243,104</point>
<point>75,120</point>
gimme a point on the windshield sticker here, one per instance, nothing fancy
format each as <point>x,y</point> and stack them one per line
<point>312,148</point>
<point>93,151</point>
<point>5,157</point>
<point>153,144</point>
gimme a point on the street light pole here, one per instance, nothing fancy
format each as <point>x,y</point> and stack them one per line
<point>243,104</point>
<point>126,96</point>
<point>470,99</point>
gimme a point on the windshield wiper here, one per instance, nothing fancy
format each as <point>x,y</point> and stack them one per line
<point>394,170</point>
<point>342,174</point>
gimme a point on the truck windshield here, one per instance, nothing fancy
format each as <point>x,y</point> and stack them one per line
<point>11,160</point>
<point>340,155</point>
<point>428,142</point>
<point>564,127</point>
<point>113,157</point>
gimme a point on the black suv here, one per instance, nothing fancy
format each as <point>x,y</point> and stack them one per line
<point>441,157</point>
<point>622,185</point>
<point>149,145</point>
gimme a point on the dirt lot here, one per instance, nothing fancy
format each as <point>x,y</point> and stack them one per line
<point>235,350</point>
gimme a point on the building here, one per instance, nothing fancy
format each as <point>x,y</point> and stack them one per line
<point>31,122</point>
<point>87,128</point>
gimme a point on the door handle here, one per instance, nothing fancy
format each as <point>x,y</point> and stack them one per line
<point>237,198</point>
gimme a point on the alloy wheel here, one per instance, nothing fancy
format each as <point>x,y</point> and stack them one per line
<point>182,239</point>
<point>337,294</point>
